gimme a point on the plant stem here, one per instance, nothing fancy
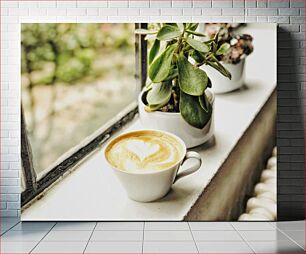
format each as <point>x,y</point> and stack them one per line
<point>205,60</point>
<point>179,43</point>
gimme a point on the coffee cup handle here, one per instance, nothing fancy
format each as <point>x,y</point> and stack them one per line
<point>193,168</point>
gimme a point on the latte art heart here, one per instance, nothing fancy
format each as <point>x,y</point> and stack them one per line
<point>141,149</point>
<point>144,151</point>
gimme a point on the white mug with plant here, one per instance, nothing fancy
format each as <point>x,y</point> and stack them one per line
<point>177,88</point>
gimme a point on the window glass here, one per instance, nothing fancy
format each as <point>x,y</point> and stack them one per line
<point>75,77</point>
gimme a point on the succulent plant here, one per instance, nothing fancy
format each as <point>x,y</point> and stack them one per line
<point>175,81</point>
<point>240,45</point>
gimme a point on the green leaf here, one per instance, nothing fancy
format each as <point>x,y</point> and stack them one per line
<point>154,50</point>
<point>145,31</point>
<point>192,112</point>
<point>219,67</point>
<point>192,26</point>
<point>159,94</point>
<point>151,108</point>
<point>148,85</point>
<point>224,48</point>
<point>160,68</point>
<point>167,33</point>
<point>172,74</point>
<point>199,46</point>
<point>209,42</point>
<point>195,33</point>
<point>204,102</point>
<point>192,80</point>
<point>214,46</point>
<point>197,56</point>
<point>216,38</point>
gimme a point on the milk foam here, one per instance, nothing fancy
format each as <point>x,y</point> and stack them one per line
<point>140,148</point>
<point>148,151</point>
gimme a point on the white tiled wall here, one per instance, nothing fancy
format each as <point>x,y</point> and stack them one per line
<point>290,14</point>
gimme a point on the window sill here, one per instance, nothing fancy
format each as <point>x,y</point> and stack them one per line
<point>92,191</point>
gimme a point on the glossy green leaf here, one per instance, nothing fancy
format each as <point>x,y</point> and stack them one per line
<point>155,107</point>
<point>168,32</point>
<point>223,49</point>
<point>195,33</point>
<point>192,112</point>
<point>213,46</point>
<point>192,80</point>
<point>161,66</point>
<point>192,26</point>
<point>154,51</point>
<point>198,45</point>
<point>197,56</point>
<point>204,103</point>
<point>172,74</point>
<point>159,94</point>
<point>209,42</point>
<point>219,67</point>
<point>148,85</point>
<point>217,37</point>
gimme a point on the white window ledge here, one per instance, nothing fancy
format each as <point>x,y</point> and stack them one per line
<point>244,122</point>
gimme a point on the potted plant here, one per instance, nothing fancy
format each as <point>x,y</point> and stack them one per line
<point>176,97</point>
<point>234,60</point>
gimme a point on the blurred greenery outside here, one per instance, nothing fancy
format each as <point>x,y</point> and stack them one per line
<point>75,77</point>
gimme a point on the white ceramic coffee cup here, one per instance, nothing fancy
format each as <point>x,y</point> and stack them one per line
<point>150,185</point>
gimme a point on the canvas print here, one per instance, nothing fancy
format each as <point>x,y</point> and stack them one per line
<point>148,122</point>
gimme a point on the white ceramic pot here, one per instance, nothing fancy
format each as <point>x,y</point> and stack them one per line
<point>151,185</point>
<point>221,84</point>
<point>174,123</point>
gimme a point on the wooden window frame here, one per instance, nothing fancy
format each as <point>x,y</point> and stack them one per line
<point>35,186</point>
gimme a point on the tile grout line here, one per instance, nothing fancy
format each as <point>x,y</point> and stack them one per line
<point>273,224</point>
<point>244,240</point>
<point>290,238</point>
<point>143,232</point>
<point>10,228</point>
<point>42,238</point>
<point>90,237</point>
<point>111,241</point>
<point>193,237</point>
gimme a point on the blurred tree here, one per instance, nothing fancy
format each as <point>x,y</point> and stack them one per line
<point>65,52</point>
<point>60,58</point>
